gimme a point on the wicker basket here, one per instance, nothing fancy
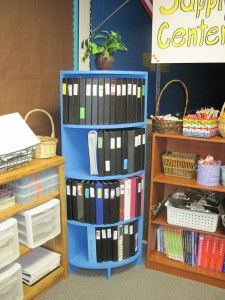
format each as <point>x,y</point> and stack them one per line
<point>179,164</point>
<point>222,122</point>
<point>47,146</point>
<point>169,126</point>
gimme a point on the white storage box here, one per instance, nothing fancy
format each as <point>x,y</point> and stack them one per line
<point>192,219</point>
<point>11,287</point>
<point>9,244</point>
<point>40,224</point>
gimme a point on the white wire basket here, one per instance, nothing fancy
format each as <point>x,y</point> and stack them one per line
<point>192,219</point>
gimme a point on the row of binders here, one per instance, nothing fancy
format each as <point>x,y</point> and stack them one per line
<point>104,202</point>
<point>116,243</point>
<point>118,151</point>
<point>103,100</point>
<point>192,248</point>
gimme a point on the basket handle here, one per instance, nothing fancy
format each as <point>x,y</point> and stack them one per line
<point>164,88</point>
<point>47,114</point>
<point>222,110</point>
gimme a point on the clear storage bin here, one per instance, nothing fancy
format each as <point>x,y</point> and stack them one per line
<point>40,224</point>
<point>11,287</point>
<point>7,197</point>
<point>39,184</point>
<point>9,244</point>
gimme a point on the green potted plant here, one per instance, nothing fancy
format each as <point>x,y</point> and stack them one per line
<point>103,45</point>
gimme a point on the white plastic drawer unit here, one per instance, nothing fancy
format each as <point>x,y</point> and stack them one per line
<point>40,224</point>
<point>11,287</point>
<point>9,243</point>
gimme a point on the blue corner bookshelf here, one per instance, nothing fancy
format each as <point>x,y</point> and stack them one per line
<point>82,248</point>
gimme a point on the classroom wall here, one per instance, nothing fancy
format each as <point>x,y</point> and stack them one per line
<point>36,42</point>
<point>205,82</point>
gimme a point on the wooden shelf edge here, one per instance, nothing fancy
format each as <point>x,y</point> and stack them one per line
<point>31,292</point>
<point>160,262</point>
<point>184,182</point>
<point>215,139</point>
<point>161,221</point>
<point>19,207</point>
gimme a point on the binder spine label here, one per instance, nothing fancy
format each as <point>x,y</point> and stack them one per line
<point>99,193</point>
<point>112,143</point>
<point>125,164</point>
<point>124,90</point>
<point>95,90</point>
<point>64,89</point>
<point>100,142</point>
<point>100,91</point>
<point>118,142</point>
<point>134,91</point>
<point>129,89</point>
<point>106,193</point>
<point>107,165</point>
<point>107,89</point>
<point>82,113</point>
<point>74,191</point>
<point>92,192</point>
<point>139,92</point>
<point>88,90</point>
<point>109,234</point>
<point>68,190</point>
<point>70,89</point>
<point>75,89</point>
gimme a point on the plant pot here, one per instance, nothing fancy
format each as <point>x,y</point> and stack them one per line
<point>104,63</point>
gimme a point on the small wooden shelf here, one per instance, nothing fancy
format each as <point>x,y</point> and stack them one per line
<point>59,243</point>
<point>160,262</point>
<point>30,292</point>
<point>162,185</point>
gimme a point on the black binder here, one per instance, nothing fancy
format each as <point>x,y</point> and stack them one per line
<point>87,202</point>
<point>106,207</point>
<point>126,241</point>
<point>132,239</point>
<point>118,152</point>
<point>65,101</point>
<point>70,99</point>
<point>107,166</point>
<point>98,245</point>
<point>88,101</point>
<point>107,101</point>
<point>104,245</point>
<point>119,112</point>
<point>69,199</point>
<point>139,100</point>
<point>138,196</point>
<point>131,143</point>
<point>101,156</point>
<point>80,201</point>
<point>124,152</point>
<point>95,101</point>
<point>143,150</point>
<point>112,152</point>
<point>92,208</point>
<point>130,109</point>
<point>134,99</point>
<point>82,89</point>
<point>109,244</point>
<point>112,203</point>
<point>112,116</point>
<point>101,93</point>
<point>74,103</point>
<point>124,99</point>
<point>74,199</point>
<point>117,202</point>
<point>143,102</point>
<point>115,243</point>
<point>138,150</point>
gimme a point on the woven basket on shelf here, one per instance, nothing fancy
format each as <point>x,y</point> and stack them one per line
<point>179,164</point>
<point>169,126</point>
<point>222,122</point>
<point>47,146</point>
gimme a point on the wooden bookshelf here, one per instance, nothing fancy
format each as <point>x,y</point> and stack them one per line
<point>161,185</point>
<point>59,243</point>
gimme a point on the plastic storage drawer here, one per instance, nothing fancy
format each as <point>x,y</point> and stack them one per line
<point>39,184</point>
<point>40,224</point>
<point>9,243</point>
<point>11,287</point>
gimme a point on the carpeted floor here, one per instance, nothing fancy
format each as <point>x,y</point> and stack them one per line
<point>131,282</point>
